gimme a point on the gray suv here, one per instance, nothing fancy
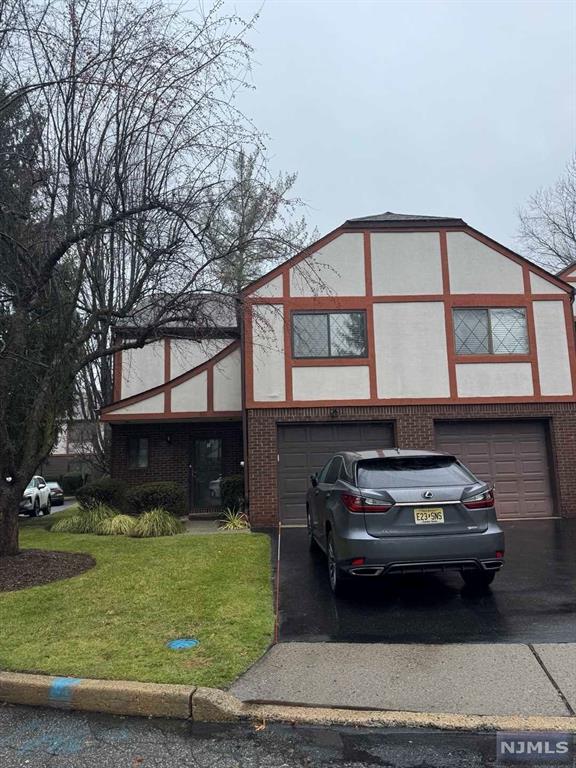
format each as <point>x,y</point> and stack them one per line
<point>401,511</point>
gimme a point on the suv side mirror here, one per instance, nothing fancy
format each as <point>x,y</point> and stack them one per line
<point>41,484</point>
<point>314,480</point>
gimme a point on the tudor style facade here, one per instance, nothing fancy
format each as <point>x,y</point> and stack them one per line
<point>390,331</point>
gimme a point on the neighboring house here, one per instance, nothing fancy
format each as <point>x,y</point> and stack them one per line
<point>71,454</point>
<point>393,330</point>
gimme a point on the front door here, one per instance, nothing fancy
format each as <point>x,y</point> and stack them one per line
<point>206,472</point>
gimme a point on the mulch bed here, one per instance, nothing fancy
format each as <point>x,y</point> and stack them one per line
<point>33,567</point>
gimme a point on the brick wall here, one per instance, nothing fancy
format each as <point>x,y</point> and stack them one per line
<point>170,450</point>
<point>414,428</point>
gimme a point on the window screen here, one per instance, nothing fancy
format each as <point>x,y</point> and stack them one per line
<point>329,334</point>
<point>138,452</point>
<point>496,331</point>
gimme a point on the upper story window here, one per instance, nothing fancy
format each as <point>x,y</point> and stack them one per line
<point>495,331</point>
<point>329,334</point>
<point>138,452</point>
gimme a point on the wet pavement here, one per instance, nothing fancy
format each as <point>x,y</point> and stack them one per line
<point>533,599</point>
<point>42,738</point>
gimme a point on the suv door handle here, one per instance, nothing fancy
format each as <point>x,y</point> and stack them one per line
<point>316,492</point>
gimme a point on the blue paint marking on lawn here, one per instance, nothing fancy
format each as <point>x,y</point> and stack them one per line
<point>182,644</point>
<point>61,690</point>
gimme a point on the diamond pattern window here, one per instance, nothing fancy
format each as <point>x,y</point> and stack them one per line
<point>329,334</point>
<point>496,331</point>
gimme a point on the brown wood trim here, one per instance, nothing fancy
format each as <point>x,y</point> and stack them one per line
<point>210,389</point>
<point>531,327</point>
<point>360,302</point>
<point>448,319</point>
<point>528,399</point>
<point>167,374</point>
<point>328,362</point>
<point>117,387</point>
<point>571,340</point>
<point>370,333</point>
<point>287,327</point>
<point>460,359</point>
<point>174,416</point>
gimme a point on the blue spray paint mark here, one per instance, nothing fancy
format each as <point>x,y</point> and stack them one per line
<point>182,644</point>
<point>61,690</point>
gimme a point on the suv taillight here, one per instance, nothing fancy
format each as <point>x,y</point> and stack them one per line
<point>362,504</point>
<point>480,501</point>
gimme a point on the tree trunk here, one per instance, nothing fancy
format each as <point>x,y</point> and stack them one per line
<point>9,500</point>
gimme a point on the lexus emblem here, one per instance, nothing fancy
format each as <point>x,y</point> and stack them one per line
<point>427,495</point>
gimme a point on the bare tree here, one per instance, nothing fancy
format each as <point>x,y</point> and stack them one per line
<point>548,222</point>
<point>254,227</point>
<point>134,128</point>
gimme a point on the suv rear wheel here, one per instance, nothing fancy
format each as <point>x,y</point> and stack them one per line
<point>478,579</point>
<point>338,582</point>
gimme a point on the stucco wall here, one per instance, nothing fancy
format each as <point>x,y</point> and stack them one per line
<point>337,269</point>
<point>552,346</point>
<point>227,383</point>
<point>494,379</point>
<point>411,355</point>
<point>268,352</point>
<point>142,368</point>
<point>476,268</point>
<point>338,382</point>
<point>406,263</point>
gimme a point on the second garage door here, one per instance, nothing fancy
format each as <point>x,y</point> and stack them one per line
<point>304,449</point>
<point>512,454</point>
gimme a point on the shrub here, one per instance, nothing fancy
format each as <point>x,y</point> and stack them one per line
<point>88,520</point>
<point>233,520</point>
<point>73,524</point>
<point>71,483</point>
<point>119,525</point>
<point>103,491</point>
<point>232,491</point>
<point>164,495</point>
<point>156,522</point>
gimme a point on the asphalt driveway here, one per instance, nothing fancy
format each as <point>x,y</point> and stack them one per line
<point>533,599</point>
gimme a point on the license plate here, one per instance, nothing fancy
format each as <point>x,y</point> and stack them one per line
<point>430,515</point>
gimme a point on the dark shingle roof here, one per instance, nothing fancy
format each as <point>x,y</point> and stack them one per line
<point>406,219</point>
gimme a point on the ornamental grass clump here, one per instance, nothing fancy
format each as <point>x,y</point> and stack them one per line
<point>156,522</point>
<point>73,524</point>
<point>88,520</point>
<point>119,525</point>
<point>233,520</point>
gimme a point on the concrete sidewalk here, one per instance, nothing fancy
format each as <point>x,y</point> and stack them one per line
<point>475,679</point>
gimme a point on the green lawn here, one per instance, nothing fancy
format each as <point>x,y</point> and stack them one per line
<point>114,620</point>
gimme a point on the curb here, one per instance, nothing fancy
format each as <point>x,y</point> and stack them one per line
<point>212,705</point>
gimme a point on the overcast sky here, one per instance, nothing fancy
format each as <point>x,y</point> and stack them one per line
<point>444,108</point>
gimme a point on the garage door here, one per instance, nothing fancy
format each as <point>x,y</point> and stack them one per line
<point>304,449</point>
<point>512,454</point>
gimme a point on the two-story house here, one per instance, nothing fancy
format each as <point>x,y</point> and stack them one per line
<point>393,330</point>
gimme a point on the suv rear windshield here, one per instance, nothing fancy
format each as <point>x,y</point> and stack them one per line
<point>411,472</point>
